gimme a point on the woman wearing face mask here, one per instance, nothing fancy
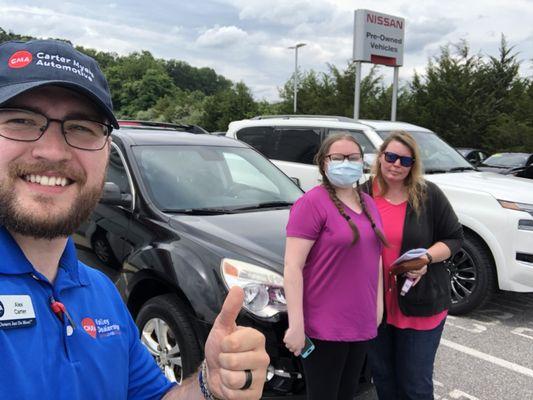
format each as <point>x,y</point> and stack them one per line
<point>332,273</point>
<point>415,214</point>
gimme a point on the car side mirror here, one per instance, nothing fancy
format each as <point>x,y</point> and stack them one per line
<point>112,196</point>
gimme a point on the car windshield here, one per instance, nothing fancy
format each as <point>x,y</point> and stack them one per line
<point>437,155</point>
<point>212,179</point>
<point>507,160</point>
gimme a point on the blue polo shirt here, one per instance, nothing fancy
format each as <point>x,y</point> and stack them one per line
<point>43,357</point>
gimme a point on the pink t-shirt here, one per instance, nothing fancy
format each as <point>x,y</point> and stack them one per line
<point>340,279</point>
<point>393,217</point>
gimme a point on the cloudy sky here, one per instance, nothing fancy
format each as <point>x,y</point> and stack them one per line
<point>247,40</point>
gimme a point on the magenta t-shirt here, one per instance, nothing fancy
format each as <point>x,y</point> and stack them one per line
<point>340,279</point>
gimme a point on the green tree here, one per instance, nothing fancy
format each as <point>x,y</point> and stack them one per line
<point>205,80</point>
<point>228,105</point>
<point>142,94</point>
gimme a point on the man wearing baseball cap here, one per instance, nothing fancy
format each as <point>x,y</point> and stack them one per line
<point>56,117</point>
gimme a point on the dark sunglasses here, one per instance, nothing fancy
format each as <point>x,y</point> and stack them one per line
<point>405,161</point>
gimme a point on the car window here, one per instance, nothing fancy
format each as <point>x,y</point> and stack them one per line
<point>507,160</point>
<point>260,138</point>
<point>244,172</point>
<point>116,172</point>
<point>368,147</point>
<point>436,154</point>
<point>192,177</point>
<point>296,144</point>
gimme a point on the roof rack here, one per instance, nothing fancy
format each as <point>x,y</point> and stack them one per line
<point>304,116</point>
<point>161,125</point>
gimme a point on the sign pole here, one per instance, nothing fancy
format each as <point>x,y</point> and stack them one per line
<point>394,94</point>
<point>357,94</point>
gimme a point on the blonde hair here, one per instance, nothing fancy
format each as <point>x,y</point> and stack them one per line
<point>320,160</point>
<point>414,182</point>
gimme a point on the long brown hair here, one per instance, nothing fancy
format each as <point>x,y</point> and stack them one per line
<point>320,160</point>
<point>414,181</point>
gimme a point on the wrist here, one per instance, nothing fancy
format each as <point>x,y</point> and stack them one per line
<point>203,376</point>
<point>296,324</point>
<point>430,258</point>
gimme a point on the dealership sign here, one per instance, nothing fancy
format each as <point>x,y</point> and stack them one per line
<point>378,38</point>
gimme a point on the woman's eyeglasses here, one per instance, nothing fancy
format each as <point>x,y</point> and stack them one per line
<point>405,161</point>
<point>338,158</point>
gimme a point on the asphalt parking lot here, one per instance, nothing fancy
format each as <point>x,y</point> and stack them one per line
<point>486,355</point>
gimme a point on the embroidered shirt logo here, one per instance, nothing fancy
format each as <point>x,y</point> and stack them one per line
<point>1,309</point>
<point>20,59</point>
<point>100,327</point>
<point>89,327</point>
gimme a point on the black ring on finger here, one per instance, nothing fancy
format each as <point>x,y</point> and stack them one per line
<point>248,381</point>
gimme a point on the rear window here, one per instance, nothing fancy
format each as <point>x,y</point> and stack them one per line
<point>283,143</point>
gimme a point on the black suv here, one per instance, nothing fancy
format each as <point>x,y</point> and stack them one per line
<point>183,217</point>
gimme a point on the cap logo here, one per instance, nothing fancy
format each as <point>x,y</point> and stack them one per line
<point>20,59</point>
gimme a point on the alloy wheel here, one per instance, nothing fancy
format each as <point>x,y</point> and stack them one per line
<point>161,342</point>
<point>463,276</point>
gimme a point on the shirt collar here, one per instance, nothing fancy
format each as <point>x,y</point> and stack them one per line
<point>14,262</point>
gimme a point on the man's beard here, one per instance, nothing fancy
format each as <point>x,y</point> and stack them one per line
<point>17,220</point>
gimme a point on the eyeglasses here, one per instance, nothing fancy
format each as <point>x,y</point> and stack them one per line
<point>29,126</point>
<point>338,158</point>
<point>405,161</point>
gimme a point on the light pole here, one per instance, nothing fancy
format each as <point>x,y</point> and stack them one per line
<point>296,70</point>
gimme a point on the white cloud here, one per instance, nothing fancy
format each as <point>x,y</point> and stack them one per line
<point>283,12</point>
<point>222,36</point>
<point>103,34</point>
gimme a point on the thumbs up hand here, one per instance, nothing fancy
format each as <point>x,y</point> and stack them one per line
<point>236,356</point>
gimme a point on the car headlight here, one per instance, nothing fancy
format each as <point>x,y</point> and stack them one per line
<point>263,289</point>
<point>511,205</point>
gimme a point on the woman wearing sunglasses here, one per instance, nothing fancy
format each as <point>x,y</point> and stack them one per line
<point>415,214</point>
<point>332,273</point>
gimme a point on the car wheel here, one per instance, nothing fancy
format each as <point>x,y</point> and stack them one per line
<point>472,276</point>
<point>103,250</point>
<point>167,332</point>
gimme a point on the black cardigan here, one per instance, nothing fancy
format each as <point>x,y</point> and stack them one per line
<point>436,222</point>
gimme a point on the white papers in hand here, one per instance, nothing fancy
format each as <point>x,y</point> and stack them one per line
<point>410,255</point>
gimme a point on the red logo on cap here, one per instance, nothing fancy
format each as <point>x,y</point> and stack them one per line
<point>20,59</point>
<point>89,327</point>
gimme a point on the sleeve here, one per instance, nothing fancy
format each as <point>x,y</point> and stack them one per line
<point>447,227</point>
<point>146,381</point>
<point>306,220</point>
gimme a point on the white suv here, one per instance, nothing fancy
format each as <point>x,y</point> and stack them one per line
<point>496,211</point>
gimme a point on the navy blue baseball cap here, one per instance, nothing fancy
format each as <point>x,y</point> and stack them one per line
<point>29,65</point>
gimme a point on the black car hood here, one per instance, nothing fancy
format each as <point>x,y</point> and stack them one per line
<point>258,235</point>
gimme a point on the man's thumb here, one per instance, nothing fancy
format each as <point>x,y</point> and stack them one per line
<point>230,309</point>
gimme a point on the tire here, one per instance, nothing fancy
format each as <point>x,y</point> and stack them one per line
<point>166,330</point>
<point>472,276</point>
<point>103,251</point>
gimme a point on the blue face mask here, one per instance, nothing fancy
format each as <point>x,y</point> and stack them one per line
<point>344,174</point>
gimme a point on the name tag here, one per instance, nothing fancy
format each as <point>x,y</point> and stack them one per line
<point>16,312</point>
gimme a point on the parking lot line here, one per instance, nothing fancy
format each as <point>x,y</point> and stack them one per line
<point>487,357</point>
